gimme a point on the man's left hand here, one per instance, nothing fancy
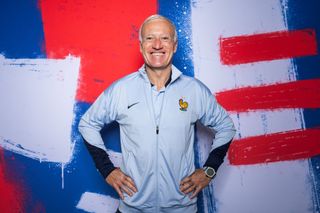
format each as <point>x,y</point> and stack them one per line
<point>194,183</point>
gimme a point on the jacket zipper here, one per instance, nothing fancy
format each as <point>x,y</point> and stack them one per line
<point>157,145</point>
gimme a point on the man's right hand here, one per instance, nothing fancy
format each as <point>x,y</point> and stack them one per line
<point>121,183</point>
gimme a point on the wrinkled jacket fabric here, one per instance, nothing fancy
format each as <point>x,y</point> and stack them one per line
<point>157,155</point>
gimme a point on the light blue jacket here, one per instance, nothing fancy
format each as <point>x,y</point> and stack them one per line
<point>157,155</point>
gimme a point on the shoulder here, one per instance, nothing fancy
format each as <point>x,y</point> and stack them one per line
<point>194,83</point>
<point>123,82</point>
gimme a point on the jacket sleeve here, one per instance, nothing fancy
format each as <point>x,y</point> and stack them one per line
<point>216,118</point>
<point>101,112</point>
<point>216,156</point>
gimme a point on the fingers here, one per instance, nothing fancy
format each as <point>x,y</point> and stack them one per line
<point>121,183</point>
<point>185,180</point>
<point>187,186</point>
<point>195,192</point>
<point>118,190</point>
<point>193,187</point>
<point>194,183</point>
<point>126,190</point>
<point>130,184</point>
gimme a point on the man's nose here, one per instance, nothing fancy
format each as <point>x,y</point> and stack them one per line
<point>157,44</point>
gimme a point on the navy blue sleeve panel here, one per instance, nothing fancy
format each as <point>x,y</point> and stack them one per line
<point>101,159</point>
<point>216,156</point>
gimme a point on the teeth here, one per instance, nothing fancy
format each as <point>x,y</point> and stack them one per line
<point>157,53</point>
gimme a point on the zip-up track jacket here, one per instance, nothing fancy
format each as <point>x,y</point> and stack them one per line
<point>157,155</point>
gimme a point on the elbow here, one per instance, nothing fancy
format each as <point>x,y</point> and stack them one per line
<point>81,126</point>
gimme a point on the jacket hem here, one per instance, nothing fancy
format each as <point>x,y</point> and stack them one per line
<point>176,209</point>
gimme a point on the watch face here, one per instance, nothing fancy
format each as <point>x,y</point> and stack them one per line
<point>210,172</point>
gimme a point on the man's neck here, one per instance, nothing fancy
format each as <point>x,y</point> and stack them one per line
<point>159,77</point>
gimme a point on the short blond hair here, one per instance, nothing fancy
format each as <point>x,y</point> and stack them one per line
<point>154,17</point>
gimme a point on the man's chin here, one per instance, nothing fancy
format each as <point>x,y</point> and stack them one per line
<point>158,68</point>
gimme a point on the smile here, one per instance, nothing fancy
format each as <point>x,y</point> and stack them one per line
<point>157,53</point>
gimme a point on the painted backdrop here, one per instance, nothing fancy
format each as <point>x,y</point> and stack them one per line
<point>260,59</point>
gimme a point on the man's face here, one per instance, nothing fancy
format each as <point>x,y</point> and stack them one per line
<point>158,45</point>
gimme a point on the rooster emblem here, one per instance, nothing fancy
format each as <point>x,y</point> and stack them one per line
<point>183,105</point>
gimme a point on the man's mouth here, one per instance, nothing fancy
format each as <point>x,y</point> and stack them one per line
<point>157,53</point>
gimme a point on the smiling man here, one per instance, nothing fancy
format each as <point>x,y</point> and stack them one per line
<point>157,108</point>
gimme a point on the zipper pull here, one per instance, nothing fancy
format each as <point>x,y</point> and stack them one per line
<point>157,130</point>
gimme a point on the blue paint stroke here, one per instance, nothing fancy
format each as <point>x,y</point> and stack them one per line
<point>301,15</point>
<point>21,29</point>
<point>43,180</point>
<point>198,157</point>
<point>179,12</point>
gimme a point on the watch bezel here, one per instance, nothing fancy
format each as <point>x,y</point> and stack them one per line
<point>206,171</point>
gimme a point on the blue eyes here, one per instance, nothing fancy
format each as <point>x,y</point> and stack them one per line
<point>151,38</point>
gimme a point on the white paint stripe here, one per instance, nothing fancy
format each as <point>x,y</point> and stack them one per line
<point>93,202</point>
<point>266,122</point>
<point>224,18</point>
<point>264,188</point>
<point>36,110</point>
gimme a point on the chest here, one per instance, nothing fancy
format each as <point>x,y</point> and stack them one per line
<point>169,107</point>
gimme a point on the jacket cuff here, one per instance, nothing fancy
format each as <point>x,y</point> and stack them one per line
<point>101,159</point>
<point>216,156</point>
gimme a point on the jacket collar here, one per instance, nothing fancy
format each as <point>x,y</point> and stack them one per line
<point>175,74</point>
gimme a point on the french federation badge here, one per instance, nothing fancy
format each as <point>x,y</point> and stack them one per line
<point>183,105</point>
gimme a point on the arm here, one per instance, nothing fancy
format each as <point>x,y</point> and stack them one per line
<point>101,112</point>
<point>216,118</point>
<point>101,159</point>
<point>216,156</point>
<point>90,125</point>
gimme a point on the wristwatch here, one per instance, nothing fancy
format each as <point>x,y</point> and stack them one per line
<point>209,171</point>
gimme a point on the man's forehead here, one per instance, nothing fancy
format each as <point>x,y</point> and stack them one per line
<point>158,24</point>
<point>159,20</point>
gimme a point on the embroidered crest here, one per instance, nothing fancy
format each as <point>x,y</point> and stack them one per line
<point>183,105</point>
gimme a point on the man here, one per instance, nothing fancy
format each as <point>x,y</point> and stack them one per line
<point>157,108</point>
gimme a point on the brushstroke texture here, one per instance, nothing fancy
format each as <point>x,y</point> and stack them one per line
<point>37,114</point>
<point>305,15</point>
<point>267,46</point>
<point>104,34</point>
<point>11,193</point>
<point>98,203</point>
<point>291,145</point>
<point>213,21</point>
<point>295,94</point>
<point>101,34</point>
<point>21,29</point>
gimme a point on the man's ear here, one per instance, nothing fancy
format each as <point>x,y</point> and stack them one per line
<point>140,45</point>
<point>175,47</point>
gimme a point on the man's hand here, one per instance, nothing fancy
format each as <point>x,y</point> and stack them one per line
<point>121,183</point>
<point>194,183</point>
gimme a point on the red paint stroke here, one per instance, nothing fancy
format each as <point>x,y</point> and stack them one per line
<point>283,146</point>
<point>11,194</point>
<point>267,46</point>
<point>104,34</point>
<point>296,94</point>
